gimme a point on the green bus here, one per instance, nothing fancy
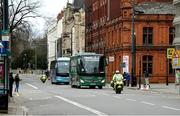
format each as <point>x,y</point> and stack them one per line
<point>87,69</point>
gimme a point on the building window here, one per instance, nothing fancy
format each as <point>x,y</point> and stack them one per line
<point>147,64</point>
<point>171,70</point>
<point>69,51</point>
<point>147,36</point>
<point>125,14</point>
<point>64,51</point>
<point>171,35</point>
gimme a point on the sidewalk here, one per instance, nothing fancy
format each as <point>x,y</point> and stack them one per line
<point>161,88</point>
<point>14,108</point>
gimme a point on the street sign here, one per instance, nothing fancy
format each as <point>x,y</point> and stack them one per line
<point>5,32</point>
<point>5,38</point>
<point>126,64</point>
<point>111,59</point>
<point>170,53</point>
<point>4,46</point>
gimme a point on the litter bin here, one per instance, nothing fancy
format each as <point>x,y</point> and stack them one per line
<point>3,102</point>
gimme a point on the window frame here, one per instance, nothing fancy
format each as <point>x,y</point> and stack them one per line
<point>171,35</point>
<point>147,60</point>
<point>147,35</point>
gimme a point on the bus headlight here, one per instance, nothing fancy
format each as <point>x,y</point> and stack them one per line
<point>103,81</point>
<point>81,81</point>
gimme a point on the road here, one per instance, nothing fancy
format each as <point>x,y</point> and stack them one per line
<point>37,98</point>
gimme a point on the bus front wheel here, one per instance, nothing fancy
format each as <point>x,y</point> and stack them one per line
<point>79,87</point>
<point>100,87</point>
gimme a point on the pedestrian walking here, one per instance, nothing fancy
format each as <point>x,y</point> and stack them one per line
<point>17,80</point>
<point>127,78</point>
<point>146,78</point>
<point>11,81</point>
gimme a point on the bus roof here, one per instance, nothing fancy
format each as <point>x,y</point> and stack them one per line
<point>63,59</point>
<point>88,54</point>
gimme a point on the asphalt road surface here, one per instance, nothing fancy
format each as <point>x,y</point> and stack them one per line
<point>37,98</point>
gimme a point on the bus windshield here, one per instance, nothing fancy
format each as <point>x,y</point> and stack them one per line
<point>63,67</point>
<point>90,64</point>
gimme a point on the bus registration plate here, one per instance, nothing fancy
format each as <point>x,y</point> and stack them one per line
<point>93,84</point>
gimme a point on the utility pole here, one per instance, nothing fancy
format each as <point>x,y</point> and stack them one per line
<point>133,79</point>
<point>4,55</point>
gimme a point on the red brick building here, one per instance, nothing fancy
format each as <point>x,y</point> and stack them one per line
<point>109,28</point>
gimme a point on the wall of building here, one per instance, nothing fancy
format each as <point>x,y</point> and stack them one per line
<point>59,34</point>
<point>51,42</point>
<point>73,31</point>
<point>79,32</point>
<point>177,23</point>
<point>117,40</point>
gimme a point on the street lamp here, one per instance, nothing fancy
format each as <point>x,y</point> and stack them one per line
<point>133,80</point>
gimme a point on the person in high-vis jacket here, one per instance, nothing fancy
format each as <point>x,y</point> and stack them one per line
<point>116,77</point>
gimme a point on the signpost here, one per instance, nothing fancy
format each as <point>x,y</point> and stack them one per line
<point>175,56</point>
<point>5,60</point>
<point>170,53</point>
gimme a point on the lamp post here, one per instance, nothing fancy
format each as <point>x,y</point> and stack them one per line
<point>5,28</point>
<point>133,79</point>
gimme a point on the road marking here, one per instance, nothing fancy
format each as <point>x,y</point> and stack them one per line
<point>148,103</point>
<point>32,86</point>
<point>82,106</point>
<point>45,98</point>
<point>104,94</point>
<point>44,105</point>
<point>167,107</point>
<point>131,99</point>
<point>117,97</point>
<point>25,110</point>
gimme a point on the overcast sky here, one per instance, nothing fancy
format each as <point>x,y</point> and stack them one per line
<point>49,8</point>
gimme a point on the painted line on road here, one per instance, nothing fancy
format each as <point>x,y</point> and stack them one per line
<point>131,99</point>
<point>25,110</point>
<point>171,108</point>
<point>117,97</point>
<point>148,103</point>
<point>104,94</point>
<point>82,106</point>
<point>32,86</point>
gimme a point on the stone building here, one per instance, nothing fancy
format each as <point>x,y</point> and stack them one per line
<point>52,43</point>
<point>109,31</point>
<point>73,36</point>
<point>177,24</point>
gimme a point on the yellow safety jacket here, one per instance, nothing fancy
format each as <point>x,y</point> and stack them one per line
<point>117,77</point>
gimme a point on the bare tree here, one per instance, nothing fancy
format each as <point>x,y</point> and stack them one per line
<point>20,11</point>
